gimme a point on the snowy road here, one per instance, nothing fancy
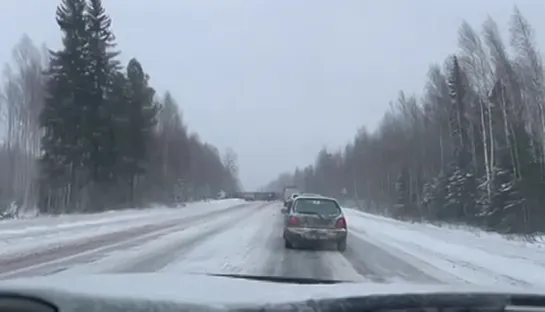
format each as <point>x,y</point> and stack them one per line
<point>236,237</point>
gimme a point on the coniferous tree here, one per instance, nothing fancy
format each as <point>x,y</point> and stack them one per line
<point>65,151</point>
<point>102,147</point>
<point>134,135</point>
<point>102,68</point>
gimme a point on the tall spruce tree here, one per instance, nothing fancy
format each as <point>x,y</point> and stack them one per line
<point>65,106</point>
<point>102,68</point>
<point>134,131</point>
<point>100,122</point>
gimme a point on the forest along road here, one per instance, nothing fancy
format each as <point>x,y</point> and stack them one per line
<point>245,238</point>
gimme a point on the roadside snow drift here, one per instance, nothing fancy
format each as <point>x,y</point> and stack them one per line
<point>234,236</point>
<point>21,236</point>
<point>474,257</point>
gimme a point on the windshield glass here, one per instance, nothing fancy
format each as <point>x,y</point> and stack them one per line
<point>319,206</point>
<point>207,136</point>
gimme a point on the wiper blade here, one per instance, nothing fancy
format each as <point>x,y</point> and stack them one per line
<point>281,279</point>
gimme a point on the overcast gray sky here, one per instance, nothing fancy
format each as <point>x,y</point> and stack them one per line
<point>278,79</point>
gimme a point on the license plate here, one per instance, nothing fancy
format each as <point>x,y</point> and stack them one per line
<point>317,235</point>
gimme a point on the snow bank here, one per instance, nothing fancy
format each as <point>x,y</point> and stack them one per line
<point>73,220</point>
<point>473,256</point>
<point>178,245</point>
<point>20,235</point>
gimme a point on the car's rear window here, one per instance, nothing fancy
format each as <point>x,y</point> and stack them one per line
<point>317,205</point>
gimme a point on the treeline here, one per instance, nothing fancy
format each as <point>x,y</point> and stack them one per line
<point>85,133</point>
<point>470,150</point>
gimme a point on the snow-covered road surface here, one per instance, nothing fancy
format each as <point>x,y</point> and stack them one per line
<point>234,236</point>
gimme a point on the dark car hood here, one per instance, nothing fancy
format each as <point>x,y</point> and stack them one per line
<point>211,291</point>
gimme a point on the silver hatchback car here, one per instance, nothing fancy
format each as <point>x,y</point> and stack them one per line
<point>314,220</point>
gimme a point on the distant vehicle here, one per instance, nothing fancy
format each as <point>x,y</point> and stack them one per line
<point>288,191</point>
<point>314,220</point>
<point>249,197</point>
<point>291,199</point>
<point>272,196</point>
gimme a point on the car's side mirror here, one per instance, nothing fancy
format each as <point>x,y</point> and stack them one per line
<point>284,210</point>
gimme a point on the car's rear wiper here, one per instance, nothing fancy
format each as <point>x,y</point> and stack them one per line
<point>281,279</point>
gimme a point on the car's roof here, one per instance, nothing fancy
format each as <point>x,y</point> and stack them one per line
<point>305,196</point>
<point>311,194</point>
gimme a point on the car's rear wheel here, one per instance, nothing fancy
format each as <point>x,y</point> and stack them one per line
<point>287,244</point>
<point>341,246</point>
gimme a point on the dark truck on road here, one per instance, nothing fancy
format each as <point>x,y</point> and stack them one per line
<point>288,192</point>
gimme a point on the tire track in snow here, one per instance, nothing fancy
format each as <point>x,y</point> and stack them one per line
<point>501,278</point>
<point>13,234</point>
<point>323,263</point>
<point>49,259</point>
<point>430,273</point>
<point>318,264</point>
<point>241,249</point>
<point>20,235</point>
<point>362,261</point>
<point>380,266</point>
<point>178,249</point>
<point>157,253</point>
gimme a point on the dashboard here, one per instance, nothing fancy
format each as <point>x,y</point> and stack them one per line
<point>441,302</point>
<point>22,303</point>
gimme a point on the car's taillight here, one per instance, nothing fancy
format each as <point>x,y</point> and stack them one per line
<point>293,221</point>
<point>341,223</point>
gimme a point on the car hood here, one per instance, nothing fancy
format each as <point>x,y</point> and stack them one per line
<point>215,290</point>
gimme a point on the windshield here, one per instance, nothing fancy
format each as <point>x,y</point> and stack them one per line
<point>319,206</point>
<point>388,142</point>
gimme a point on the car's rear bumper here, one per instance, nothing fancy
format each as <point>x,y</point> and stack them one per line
<point>314,235</point>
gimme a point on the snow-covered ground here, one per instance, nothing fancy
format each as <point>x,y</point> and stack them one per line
<point>29,238</point>
<point>233,236</point>
<point>472,256</point>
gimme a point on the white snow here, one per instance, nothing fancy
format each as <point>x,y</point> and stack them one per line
<point>237,243</point>
<point>248,241</point>
<point>241,248</point>
<point>472,256</point>
<point>173,245</point>
<point>20,236</point>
